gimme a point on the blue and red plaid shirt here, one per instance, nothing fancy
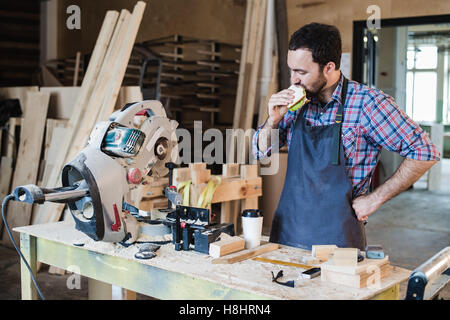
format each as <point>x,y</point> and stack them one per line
<point>372,120</point>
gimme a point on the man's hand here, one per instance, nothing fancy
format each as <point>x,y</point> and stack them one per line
<point>409,172</point>
<point>365,205</point>
<point>277,106</point>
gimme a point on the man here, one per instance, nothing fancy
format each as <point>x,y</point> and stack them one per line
<point>334,143</point>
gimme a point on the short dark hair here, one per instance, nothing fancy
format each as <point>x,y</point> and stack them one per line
<point>323,40</point>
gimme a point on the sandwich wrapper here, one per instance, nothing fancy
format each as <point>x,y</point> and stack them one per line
<point>299,100</point>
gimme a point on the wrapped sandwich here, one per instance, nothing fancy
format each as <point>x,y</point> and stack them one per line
<point>300,98</point>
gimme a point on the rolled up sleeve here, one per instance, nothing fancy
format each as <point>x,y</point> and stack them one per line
<point>284,128</point>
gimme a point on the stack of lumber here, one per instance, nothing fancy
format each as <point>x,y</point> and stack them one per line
<point>367,273</point>
<point>95,101</point>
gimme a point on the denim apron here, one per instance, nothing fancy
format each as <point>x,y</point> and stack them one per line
<point>315,206</point>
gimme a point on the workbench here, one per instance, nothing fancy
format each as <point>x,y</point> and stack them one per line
<point>182,274</point>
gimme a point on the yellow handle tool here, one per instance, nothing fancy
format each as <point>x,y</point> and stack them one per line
<point>285,263</point>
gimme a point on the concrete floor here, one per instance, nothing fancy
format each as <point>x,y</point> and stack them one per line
<point>412,227</point>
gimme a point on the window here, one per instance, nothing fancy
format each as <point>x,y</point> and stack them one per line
<point>421,82</point>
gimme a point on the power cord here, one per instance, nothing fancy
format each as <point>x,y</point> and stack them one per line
<point>4,206</point>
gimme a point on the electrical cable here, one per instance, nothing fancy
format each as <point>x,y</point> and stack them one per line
<point>4,206</point>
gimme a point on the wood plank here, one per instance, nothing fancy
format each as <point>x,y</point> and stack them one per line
<point>31,137</point>
<point>251,97</point>
<point>245,254</point>
<point>45,211</point>
<point>243,64</point>
<point>122,62</point>
<point>77,69</point>
<point>102,84</point>
<point>237,189</point>
<point>226,246</point>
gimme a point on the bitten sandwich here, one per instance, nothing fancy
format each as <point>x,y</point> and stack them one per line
<point>300,98</point>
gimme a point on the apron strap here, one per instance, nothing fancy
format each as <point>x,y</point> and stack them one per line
<point>338,122</point>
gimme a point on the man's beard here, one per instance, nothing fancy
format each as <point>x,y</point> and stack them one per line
<point>316,88</point>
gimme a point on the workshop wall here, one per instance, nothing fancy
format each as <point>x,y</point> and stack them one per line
<point>221,20</point>
<point>342,13</point>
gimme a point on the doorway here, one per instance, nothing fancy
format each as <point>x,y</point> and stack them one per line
<point>409,59</point>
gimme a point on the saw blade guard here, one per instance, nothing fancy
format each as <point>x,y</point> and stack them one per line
<point>160,145</point>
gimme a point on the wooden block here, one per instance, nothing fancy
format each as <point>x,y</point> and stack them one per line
<point>245,254</point>
<point>200,176</point>
<point>370,277</point>
<point>197,166</point>
<point>322,251</point>
<point>310,260</point>
<point>345,257</point>
<point>226,246</point>
<point>360,267</point>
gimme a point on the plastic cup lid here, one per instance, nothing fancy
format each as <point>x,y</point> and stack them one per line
<point>252,213</point>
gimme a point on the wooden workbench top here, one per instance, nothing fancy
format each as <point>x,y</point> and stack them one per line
<point>249,275</point>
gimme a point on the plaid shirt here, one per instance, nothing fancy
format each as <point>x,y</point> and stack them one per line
<point>372,120</point>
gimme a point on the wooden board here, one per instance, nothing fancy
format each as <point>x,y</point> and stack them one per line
<point>345,257</point>
<point>26,170</point>
<point>370,277</point>
<point>17,93</point>
<point>246,254</point>
<point>226,246</point>
<point>359,268</point>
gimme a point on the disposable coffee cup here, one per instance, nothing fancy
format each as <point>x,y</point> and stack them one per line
<point>252,221</point>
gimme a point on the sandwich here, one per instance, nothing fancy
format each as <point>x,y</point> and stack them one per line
<point>300,98</point>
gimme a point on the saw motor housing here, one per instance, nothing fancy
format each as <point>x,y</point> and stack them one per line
<point>136,142</point>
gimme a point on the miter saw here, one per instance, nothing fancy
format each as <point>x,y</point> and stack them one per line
<point>138,142</point>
